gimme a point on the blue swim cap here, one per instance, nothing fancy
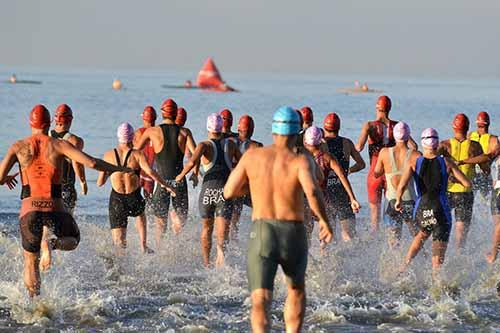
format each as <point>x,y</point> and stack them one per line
<point>286,121</point>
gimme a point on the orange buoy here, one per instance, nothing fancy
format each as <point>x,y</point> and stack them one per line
<point>209,76</point>
<point>117,84</point>
<point>13,78</point>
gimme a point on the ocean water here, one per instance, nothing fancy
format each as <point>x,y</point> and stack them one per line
<point>354,288</point>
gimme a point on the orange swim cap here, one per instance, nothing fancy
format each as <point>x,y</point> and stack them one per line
<point>384,104</point>
<point>181,117</point>
<point>307,115</point>
<point>332,122</point>
<point>246,124</point>
<point>149,114</point>
<point>39,117</point>
<point>227,118</point>
<point>169,109</point>
<point>64,114</point>
<point>483,118</point>
<point>461,123</point>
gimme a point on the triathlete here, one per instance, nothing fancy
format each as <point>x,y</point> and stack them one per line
<point>277,184</point>
<point>216,156</point>
<point>432,212</point>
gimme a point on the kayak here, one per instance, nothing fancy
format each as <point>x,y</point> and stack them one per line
<point>358,91</point>
<point>23,82</point>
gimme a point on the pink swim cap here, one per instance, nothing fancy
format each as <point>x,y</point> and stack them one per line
<point>430,138</point>
<point>125,133</point>
<point>313,136</point>
<point>401,132</point>
<point>214,123</point>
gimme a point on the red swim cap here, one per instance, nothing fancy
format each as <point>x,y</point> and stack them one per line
<point>246,124</point>
<point>307,115</point>
<point>149,114</point>
<point>39,117</point>
<point>461,123</point>
<point>483,118</point>
<point>63,115</point>
<point>181,117</point>
<point>227,118</point>
<point>384,104</point>
<point>169,109</point>
<point>332,122</point>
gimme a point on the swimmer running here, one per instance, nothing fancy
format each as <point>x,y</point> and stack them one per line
<point>277,184</point>
<point>432,211</point>
<point>126,198</point>
<point>45,223</point>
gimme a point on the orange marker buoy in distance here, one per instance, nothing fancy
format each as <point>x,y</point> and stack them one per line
<point>117,84</point>
<point>13,78</point>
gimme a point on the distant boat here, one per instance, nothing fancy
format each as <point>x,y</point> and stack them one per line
<point>14,80</point>
<point>208,79</point>
<point>357,89</point>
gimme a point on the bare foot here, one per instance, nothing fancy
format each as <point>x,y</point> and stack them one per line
<point>490,258</point>
<point>219,262</point>
<point>45,259</point>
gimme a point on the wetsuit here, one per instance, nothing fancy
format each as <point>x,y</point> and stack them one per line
<point>211,201</point>
<point>379,136</point>
<point>42,203</point>
<point>69,194</point>
<point>338,204</point>
<point>273,243</point>
<point>147,182</point>
<point>393,218</point>
<point>432,211</point>
<point>482,181</point>
<point>495,196</point>
<point>461,199</point>
<point>122,205</point>
<point>169,162</point>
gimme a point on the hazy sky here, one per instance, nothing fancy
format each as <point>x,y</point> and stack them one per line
<point>395,37</point>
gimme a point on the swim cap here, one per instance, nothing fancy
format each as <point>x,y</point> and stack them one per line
<point>461,123</point>
<point>125,133</point>
<point>64,114</point>
<point>181,117</point>
<point>169,109</point>
<point>39,117</point>
<point>149,114</point>
<point>307,115</point>
<point>430,138</point>
<point>401,132</point>
<point>483,118</point>
<point>313,136</point>
<point>214,123</point>
<point>332,122</point>
<point>227,117</point>
<point>246,124</point>
<point>384,104</point>
<point>286,121</point>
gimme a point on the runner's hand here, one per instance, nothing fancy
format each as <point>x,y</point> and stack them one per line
<point>179,178</point>
<point>169,189</point>
<point>397,206</point>
<point>355,206</point>
<point>194,179</point>
<point>325,232</point>
<point>11,181</point>
<point>84,187</point>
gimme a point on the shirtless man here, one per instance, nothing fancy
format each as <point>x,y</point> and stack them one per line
<point>246,128</point>
<point>379,134</point>
<point>63,119</point>
<point>126,199</point>
<point>216,156</point>
<point>329,165</point>
<point>390,163</point>
<point>461,198</point>
<point>147,183</point>
<point>338,205</point>
<point>169,143</point>
<point>277,184</point>
<point>227,118</point>
<point>432,212</point>
<point>482,180</point>
<point>41,160</point>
